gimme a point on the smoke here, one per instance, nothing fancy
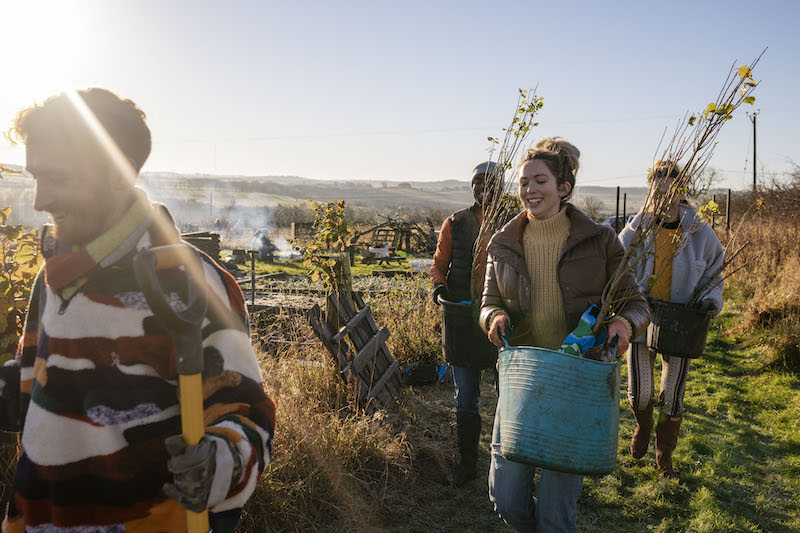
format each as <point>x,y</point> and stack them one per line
<point>195,203</point>
<point>213,204</point>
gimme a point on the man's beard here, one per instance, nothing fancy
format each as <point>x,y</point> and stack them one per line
<point>64,236</point>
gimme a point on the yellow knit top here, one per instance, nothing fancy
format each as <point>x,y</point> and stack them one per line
<point>543,242</point>
<point>666,241</point>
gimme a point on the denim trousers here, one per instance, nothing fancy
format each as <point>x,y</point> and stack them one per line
<point>511,489</point>
<point>467,385</point>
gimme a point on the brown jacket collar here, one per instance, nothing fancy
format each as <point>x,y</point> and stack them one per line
<point>506,244</point>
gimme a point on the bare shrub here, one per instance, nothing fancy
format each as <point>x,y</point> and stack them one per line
<point>592,207</point>
<point>703,183</point>
<point>284,214</point>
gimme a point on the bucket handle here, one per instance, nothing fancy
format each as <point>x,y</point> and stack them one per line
<point>505,341</point>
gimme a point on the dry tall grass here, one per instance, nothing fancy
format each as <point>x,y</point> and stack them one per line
<point>8,465</point>
<point>413,320</point>
<point>335,468</point>
<point>771,280</point>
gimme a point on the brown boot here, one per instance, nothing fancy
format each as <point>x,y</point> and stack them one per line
<point>666,439</point>
<point>641,435</point>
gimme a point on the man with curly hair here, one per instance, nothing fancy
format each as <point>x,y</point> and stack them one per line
<point>94,386</point>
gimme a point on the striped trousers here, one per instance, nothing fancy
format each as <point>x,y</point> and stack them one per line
<point>641,363</point>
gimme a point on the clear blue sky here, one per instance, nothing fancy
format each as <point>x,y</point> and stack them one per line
<point>409,90</point>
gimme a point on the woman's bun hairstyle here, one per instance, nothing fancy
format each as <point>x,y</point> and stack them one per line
<point>561,158</point>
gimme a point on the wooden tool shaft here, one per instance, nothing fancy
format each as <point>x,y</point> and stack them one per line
<point>193,429</point>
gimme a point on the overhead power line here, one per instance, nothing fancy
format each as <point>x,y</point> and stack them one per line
<point>598,180</point>
<point>407,132</point>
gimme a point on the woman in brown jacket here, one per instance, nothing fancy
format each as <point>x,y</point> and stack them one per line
<point>545,269</point>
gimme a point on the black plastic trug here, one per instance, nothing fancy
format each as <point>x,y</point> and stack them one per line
<point>677,329</point>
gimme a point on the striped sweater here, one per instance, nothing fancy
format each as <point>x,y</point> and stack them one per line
<point>98,395</point>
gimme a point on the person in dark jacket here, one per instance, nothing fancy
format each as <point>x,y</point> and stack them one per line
<point>545,268</point>
<point>464,345</point>
<point>261,243</point>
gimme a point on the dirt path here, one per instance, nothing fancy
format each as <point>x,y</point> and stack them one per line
<point>441,507</point>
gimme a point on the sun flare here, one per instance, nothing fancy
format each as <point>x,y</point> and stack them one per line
<point>43,43</point>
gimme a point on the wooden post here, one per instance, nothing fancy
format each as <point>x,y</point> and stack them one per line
<point>347,277</point>
<point>755,161</point>
<point>713,215</point>
<point>624,208</point>
<point>342,271</point>
<point>252,276</point>
<point>728,212</point>
<point>616,214</point>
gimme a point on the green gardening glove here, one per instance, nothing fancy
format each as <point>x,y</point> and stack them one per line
<point>193,470</point>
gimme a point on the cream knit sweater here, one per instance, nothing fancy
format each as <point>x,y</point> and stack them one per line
<point>543,242</point>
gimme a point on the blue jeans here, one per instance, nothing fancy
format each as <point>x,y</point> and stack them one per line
<point>467,384</point>
<point>511,488</point>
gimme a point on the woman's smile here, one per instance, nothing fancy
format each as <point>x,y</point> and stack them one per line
<point>539,190</point>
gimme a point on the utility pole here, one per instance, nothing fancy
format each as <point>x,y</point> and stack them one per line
<point>753,119</point>
<point>616,214</point>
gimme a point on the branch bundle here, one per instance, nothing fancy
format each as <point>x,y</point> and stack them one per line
<point>499,202</point>
<point>690,148</point>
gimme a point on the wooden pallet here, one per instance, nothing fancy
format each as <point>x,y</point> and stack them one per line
<point>204,240</point>
<point>359,349</point>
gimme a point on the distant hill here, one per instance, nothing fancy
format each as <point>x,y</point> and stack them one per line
<point>370,193</point>
<point>197,198</point>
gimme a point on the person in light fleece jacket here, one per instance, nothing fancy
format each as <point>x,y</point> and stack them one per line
<point>94,388</point>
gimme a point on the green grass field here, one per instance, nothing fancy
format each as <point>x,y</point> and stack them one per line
<point>738,457</point>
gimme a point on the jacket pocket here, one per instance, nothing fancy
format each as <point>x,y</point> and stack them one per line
<point>696,271</point>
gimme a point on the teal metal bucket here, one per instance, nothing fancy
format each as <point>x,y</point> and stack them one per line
<point>558,411</point>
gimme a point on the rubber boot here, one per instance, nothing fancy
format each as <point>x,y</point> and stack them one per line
<point>666,440</point>
<point>641,435</point>
<point>468,435</point>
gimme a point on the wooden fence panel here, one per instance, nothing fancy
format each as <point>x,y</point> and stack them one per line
<point>365,360</point>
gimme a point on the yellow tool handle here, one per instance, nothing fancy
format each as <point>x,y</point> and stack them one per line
<point>193,429</point>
